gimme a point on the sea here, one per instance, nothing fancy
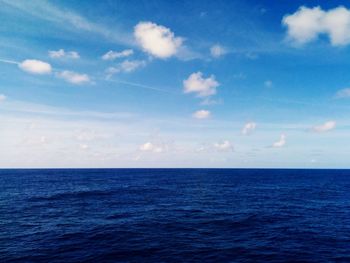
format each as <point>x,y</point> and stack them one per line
<point>174,215</point>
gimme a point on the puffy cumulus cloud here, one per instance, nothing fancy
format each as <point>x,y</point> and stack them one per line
<point>306,24</point>
<point>34,66</point>
<point>126,66</point>
<point>248,128</point>
<point>111,55</point>
<point>73,77</point>
<point>225,146</point>
<point>150,147</point>
<point>157,40</point>
<point>2,97</point>
<point>201,114</point>
<point>217,51</point>
<point>327,126</point>
<point>203,87</point>
<point>61,53</point>
<point>343,93</point>
<point>281,142</point>
<point>337,25</point>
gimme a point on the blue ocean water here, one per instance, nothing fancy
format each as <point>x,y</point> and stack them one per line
<point>174,215</point>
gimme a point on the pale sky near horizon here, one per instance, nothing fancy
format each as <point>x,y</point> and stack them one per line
<point>174,83</point>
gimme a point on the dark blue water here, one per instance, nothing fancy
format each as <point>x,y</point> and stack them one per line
<point>175,215</point>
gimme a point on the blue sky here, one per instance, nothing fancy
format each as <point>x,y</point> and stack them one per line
<point>174,83</point>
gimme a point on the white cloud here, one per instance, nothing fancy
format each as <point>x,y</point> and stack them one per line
<point>73,54</point>
<point>281,142</point>
<point>73,77</point>
<point>209,101</point>
<point>86,135</point>
<point>150,147</point>
<point>131,65</point>
<point>69,20</point>
<point>36,141</point>
<point>126,66</point>
<point>327,126</point>
<point>201,114</point>
<point>83,146</point>
<point>343,93</point>
<point>64,54</point>
<point>2,97</point>
<point>306,24</point>
<point>268,84</point>
<point>248,128</point>
<point>217,51</point>
<point>111,55</point>
<point>34,66</point>
<point>225,146</point>
<point>222,146</point>
<point>157,40</point>
<point>203,87</point>
<point>43,140</point>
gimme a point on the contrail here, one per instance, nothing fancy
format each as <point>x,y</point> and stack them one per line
<point>143,86</point>
<point>8,61</point>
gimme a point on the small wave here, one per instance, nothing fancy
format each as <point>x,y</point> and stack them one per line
<point>72,195</point>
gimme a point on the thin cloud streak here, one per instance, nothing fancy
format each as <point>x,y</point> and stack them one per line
<point>70,20</point>
<point>9,61</point>
<point>138,85</point>
<point>23,107</point>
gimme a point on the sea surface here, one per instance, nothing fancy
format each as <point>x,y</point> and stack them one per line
<point>174,215</point>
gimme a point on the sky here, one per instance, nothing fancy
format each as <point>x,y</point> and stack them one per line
<point>227,84</point>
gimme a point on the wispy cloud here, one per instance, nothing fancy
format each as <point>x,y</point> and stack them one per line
<point>248,128</point>
<point>74,77</point>
<point>327,126</point>
<point>83,146</point>
<point>208,101</point>
<point>201,114</point>
<point>126,66</point>
<point>61,53</point>
<point>22,107</point>
<point>343,93</point>
<point>68,19</point>
<point>112,55</point>
<point>225,146</point>
<point>217,51</point>
<point>2,97</point>
<point>268,84</point>
<point>281,142</point>
<point>151,147</point>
